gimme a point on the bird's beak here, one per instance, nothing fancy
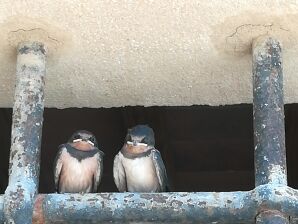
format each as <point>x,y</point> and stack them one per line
<point>129,143</point>
<point>91,143</point>
<point>134,143</point>
<point>88,141</point>
<point>77,140</point>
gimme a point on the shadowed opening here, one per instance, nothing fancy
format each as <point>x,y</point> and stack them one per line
<point>204,148</point>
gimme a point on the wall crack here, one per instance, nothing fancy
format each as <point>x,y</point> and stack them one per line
<point>34,29</point>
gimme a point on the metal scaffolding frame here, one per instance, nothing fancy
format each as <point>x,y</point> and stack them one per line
<point>272,201</point>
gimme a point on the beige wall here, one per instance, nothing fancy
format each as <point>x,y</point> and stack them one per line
<point>115,53</point>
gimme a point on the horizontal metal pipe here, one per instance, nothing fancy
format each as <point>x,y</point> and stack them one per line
<point>200,207</point>
<point>142,208</point>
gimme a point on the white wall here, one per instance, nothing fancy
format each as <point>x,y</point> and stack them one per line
<point>115,53</point>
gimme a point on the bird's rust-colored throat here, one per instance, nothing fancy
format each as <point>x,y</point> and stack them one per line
<point>135,149</point>
<point>82,145</point>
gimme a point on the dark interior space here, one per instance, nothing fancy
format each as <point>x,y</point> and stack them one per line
<point>204,148</point>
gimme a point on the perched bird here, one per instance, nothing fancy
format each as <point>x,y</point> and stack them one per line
<point>138,167</point>
<point>78,165</point>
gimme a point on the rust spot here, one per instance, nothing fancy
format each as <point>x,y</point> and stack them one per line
<point>92,199</point>
<point>105,196</point>
<point>38,216</point>
<point>155,197</point>
<point>191,205</point>
<point>202,203</point>
<point>179,203</point>
<point>278,193</point>
<point>13,153</point>
<point>72,198</point>
<point>10,165</point>
<point>264,206</point>
<point>291,193</point>
<point>17,197</point>
<point>129,196</point>
<point>24,50</point>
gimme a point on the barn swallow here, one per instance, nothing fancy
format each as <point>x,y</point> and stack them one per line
<point>78,165</point>
<point>138,167</point>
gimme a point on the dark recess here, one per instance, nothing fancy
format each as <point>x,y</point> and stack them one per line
<point>204,148</point>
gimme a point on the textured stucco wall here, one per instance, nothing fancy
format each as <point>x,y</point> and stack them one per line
<point>115,53</point>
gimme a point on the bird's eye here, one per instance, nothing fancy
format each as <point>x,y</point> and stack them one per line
<point>144,140</point>
<point>128,138</point>
<point>92,139</point>
<point>76,137</point>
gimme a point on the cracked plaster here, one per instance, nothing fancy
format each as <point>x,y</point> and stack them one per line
<point>117,53</point>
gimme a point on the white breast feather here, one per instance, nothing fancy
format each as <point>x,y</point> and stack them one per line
<point>140,174</point>
<point>78,176</point>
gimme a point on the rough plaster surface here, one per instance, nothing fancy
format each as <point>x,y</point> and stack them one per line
<point>116,53</point>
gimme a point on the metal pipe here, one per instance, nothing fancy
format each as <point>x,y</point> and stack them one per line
<point>143,208</point>
<point>269,127</point>
<point>272,217</point>
<point>1,209</point>
<point>183,207</point>
<point>268,107</point>
<point>26,133</point>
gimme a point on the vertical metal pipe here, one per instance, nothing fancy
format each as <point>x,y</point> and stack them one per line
<point>1,209</point>
<point>272,217</point>
<point>269,130</point>
<point>26,133</point>
<point>268,108</point>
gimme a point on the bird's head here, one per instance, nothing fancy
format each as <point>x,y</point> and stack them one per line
<point>83,137</point>
<point>140,135</point>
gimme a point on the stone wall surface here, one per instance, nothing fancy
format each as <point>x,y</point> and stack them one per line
<point>171,52</point>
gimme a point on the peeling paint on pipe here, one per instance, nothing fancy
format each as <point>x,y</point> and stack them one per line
<point>269,127</point>
<point>182,207</point>
<point>272,217</point>
<point>142,208</point>
<point>1,209</point>
<point>268,107</point>
<point>26,133</point>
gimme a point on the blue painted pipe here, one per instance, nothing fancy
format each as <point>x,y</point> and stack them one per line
<point>26,133</point>
<point>268,113</point>
<point>174,207</point>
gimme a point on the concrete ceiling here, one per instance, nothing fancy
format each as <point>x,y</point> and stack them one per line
<point>116,53</point>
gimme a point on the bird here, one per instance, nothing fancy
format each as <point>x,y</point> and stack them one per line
<point>138,166</point>
<point>78,166</point>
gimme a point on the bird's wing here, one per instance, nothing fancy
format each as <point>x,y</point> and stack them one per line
<point>119,174</point>
<point>98,172</point>
<point>160,169</point>
<point>58,163</point>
